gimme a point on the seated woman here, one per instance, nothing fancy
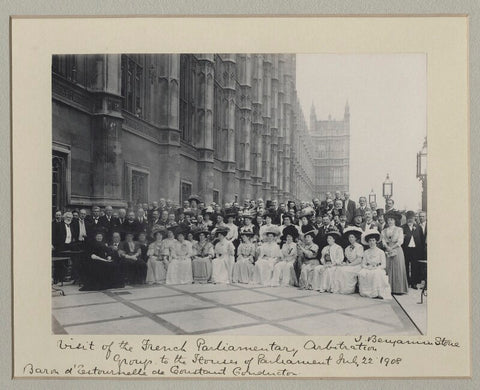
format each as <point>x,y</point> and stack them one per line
<point>372,279</point>
<point>130,254</point>
<point>309,253</point>
<point>222,264</point>
<point>180,268</point>
<point>269,255</point>
<point>243,268</point>
<point>158,255</point>
<point>284,272</point>
<point>331,260</point>
<point>203,253</point>
<point>346,277</point>
<point>100,271</point>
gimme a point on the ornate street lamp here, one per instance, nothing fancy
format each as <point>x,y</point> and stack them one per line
<point>422,172</point>
<point>372,197</point>
<point>387,188</point>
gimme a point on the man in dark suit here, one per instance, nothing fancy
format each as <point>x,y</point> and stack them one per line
<point>368,222</point>
<point>142,221</point>
<point>94,224</point>
<point>108,222</point>
<point>413,249</point>
<point>422,217</point>
<point>350,206</point>
<point>131,224</point>
<point>362,206</point>
<point>56,224</point>
<point>155,220</point>
<point>65,235</point>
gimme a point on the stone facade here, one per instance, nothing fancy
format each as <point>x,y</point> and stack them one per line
<point>143,127</point>
<point>331,139</point>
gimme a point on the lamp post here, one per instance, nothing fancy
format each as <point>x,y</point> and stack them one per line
<point>422,172</point>
<point>387,188</point>
<point>372,197</point>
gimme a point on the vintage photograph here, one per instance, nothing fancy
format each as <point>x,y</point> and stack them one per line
<point>239,194</point>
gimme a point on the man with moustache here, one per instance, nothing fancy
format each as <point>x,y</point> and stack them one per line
<point>350,206</point>
<point>413,249</point>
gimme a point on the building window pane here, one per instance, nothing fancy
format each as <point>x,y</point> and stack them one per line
<point>185,191</point>
<point>132,85</point>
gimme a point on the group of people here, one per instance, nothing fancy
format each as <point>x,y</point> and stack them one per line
<point>333,245</point>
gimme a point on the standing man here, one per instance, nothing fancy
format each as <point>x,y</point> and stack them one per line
<point>362,206</point>
<point>422,216</point>
<point>413,249</point>
<point>349,206</point>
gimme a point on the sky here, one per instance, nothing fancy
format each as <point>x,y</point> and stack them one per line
<point>387,94</point>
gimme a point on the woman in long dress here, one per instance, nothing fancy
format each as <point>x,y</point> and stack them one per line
<point>392,240</point>
<point>180,267</point>
<point>331,260</point>
<point>269,255</point>
<point>158,256</point>
<point>284,272</point>
<point>309,253</point>
<point>346,277</point>
<point>222,264</point>
<point>372,279</point>
<point>243,267</point>
<point>202,257</point>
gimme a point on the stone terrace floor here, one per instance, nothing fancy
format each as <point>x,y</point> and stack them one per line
<point>233,310</point>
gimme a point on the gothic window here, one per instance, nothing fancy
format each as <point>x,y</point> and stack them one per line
<point>59,166</point>
<point>187,97</point>
<point>185,191</point>
<point>139,187</point>
<point>66,66</point>
<point>216,196</point>
<point>132,84</point>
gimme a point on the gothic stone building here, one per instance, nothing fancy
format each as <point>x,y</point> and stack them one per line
<point>131,127</point>
<point>332,152</point>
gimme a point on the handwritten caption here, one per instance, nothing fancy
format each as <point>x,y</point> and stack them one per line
<point>220,358</point>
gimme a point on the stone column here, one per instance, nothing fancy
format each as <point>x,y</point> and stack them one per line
<point>229,89</point>
<point>257,125</point>
<point>244,75</point>
<point>274,127</point>
<point>266,133</point>
<point>288,119</point>
<point>107,160</point>
<point>281,129</point>
<point>167,115</point>
<point>204,134</point>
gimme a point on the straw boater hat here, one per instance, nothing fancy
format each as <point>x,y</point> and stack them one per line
<point>370,233</point>
<point>356,231</point>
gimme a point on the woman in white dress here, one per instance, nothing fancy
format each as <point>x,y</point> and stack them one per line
<point>269,255</point>
<point>203,254</point>
<point>372,278</point>
<point>309,253</point>
<point>180,268</point>
<point>346,277</point>
<point>284,273</point>
<point>222,264</point>
<point>331,260</point>
<point>158,255</point>
<point>243,267</point>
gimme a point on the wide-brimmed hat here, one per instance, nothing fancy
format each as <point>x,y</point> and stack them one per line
<point>194,197</point>
<point>306,212</point>
<point>310,233</point>
<point>196,232</point>
<point>208,210</point>
<point>333,232</point>
<point>393,214</point>
<point>289,230</point>
<point>189,212</point>
<point>159,228</point>
<point>231,212</point>
<point>356,231</point>
<point>272,230</point>
<point>369,233</point>
<point>221,230</point>
<point>181,230</point>
<point>249,214</point>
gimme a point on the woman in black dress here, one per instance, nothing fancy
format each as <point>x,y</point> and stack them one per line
<point>101,269</point>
